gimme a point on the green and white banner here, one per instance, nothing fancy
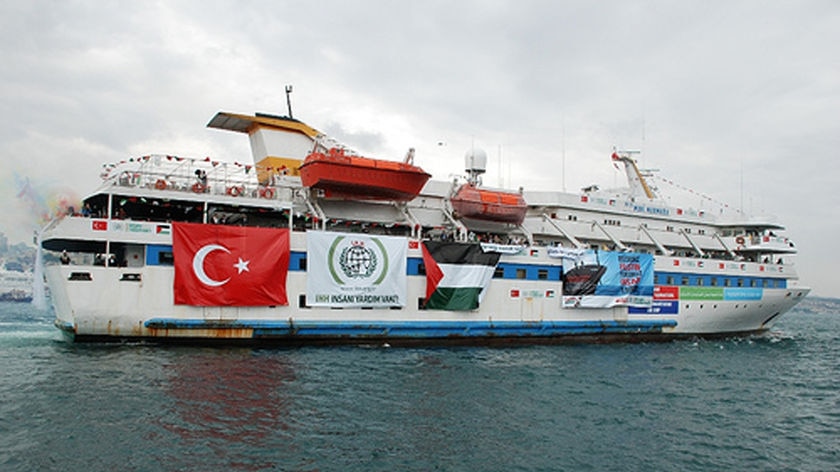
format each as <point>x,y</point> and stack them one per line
<point>355,270</point>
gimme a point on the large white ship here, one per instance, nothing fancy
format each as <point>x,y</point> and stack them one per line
<point>313,244</point>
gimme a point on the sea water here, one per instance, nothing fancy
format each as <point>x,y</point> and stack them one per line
<point>759,403</point>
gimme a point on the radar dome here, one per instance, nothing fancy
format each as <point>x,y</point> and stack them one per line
<point>475,161</point>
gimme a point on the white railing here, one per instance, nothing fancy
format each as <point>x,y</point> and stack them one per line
<point>163,172</point>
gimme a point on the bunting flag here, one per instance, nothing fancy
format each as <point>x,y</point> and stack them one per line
<point>457,274</point>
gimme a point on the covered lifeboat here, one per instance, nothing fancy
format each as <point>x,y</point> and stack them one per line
<point>489,205</point>
<point>341,175</point>
<point>471,201</point>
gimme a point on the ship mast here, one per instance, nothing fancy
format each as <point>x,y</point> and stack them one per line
<point>635,178</point>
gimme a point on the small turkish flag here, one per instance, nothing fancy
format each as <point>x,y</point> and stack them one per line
<point>218,265</point>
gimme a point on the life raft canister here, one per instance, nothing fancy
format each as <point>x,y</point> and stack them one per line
<point>267,192</point>
<point>199,187</point>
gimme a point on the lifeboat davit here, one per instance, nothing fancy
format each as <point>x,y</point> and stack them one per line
<point>352,177</point>
<point>490,205</point>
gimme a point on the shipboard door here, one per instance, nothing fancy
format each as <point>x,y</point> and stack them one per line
<point>219,313</point>
<point>213,313</point>
<point>620,313</point>
<point>532,305</point>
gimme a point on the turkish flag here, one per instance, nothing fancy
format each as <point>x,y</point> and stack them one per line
<point>218,265</point>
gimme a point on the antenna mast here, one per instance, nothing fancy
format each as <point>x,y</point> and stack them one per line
<point>288,99</point>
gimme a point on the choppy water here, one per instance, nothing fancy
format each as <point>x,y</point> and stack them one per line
<point>770,403</point>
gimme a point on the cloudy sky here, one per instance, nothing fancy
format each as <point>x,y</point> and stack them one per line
<point>737,100</point>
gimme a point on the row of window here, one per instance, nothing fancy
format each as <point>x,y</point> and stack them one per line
<point>611,222</point>
<point>687,230</point>
<point>162,255</point>
<point>504,270</point>
<point>665,278</point>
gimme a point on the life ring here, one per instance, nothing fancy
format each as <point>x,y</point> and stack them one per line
<point>198,187</point>
<point>267,192</point>
<point>235,191</point>
<point>740,240</point>
<point>160,184</point>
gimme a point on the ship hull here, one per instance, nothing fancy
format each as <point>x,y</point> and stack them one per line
<point>108,307</point>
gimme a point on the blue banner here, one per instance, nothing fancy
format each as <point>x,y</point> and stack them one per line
<point>607,278</point>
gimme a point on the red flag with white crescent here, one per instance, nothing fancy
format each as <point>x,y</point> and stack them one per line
<point>217,265</point>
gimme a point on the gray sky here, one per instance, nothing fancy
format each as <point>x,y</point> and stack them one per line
<point>727,98</point>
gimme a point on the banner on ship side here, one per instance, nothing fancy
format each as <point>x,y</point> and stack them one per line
<point>602,279</point>
<point>218,265</point>
<point>457,274</point>
<point>355,270</point>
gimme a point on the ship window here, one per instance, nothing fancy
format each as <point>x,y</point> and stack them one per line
<point>766,283</point>
<point>521,273</point>
<point>701,231</point>
<point>714,281</point>
<point>166,258</point>
<point>740,282</point>
<point>302,301</point>
<point>700,281</point>
<point>684,281</point>
<point>421,303</point>
<point>421,269</point>
<point>778,284</point>
<point>669,228</point>
<point>670,280</point>
<point>753,283</point>
<point>727,282</point>
<point>302,263</point>
<point>542,274</point>
<point>499,273</point>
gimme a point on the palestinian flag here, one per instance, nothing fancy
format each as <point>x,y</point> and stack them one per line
<point>456,274</point>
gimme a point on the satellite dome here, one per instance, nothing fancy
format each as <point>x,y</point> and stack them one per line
<point>475,161</point>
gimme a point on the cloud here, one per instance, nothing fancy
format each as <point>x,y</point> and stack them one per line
<point>727,99</point>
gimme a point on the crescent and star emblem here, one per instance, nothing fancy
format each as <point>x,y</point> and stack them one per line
<point>198,265</point>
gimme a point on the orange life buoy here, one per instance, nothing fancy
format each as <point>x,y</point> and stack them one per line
<point>267,192</point>
<point>198,187</point>
<point>160,184</point>
<point>235,191</point>
<point>739,240</point>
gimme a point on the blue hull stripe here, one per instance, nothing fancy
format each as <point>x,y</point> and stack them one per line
<point>418,329</point>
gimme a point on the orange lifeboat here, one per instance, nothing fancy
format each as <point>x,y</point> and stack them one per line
<point>353,177</point>
<point>491,205</point>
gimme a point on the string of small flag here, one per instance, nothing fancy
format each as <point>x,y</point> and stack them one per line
<point>692,191</point>
<point>108,168</point>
